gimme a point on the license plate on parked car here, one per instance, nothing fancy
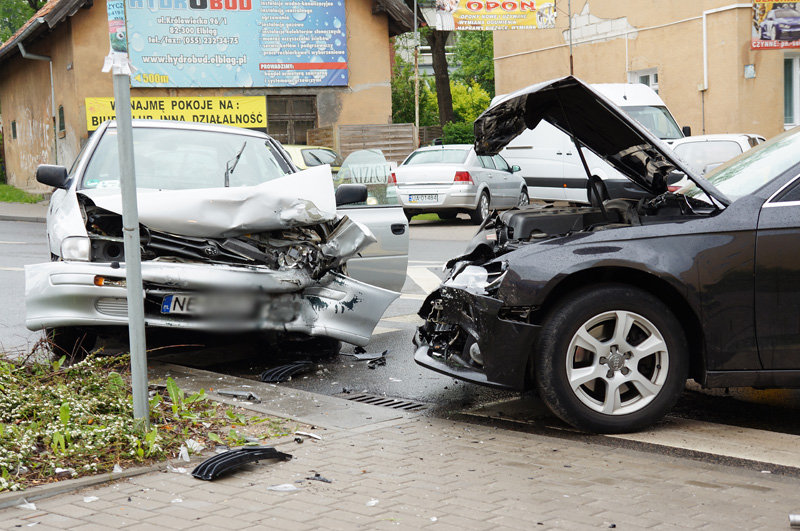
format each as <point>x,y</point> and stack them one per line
<point>423,198</point>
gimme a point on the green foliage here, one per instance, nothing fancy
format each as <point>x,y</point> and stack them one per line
<point>403,96</point>
<point>474,60</point>
<point>80,419</point>
<point>14,13</point>
<point>9,194</point>
<point>469,101</point>
<point>458,133</point>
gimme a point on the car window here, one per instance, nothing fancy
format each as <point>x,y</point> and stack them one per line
<point>437,156</point>
<point>657,119</point>
<point>704,153</point>
<point>756,167</point>
<point>786,13</point>
<point>486,162</point>
<point>500,163</point>
<point>184,159</point>
<point>790,195</point>
<point>320,156</point>
<point>369,167</point>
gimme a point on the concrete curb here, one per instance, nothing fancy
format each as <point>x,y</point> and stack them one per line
<point>31,219</point>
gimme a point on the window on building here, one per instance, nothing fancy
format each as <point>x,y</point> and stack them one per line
<point>289,117</point>
<point>14,130</point>
<point>647,77</point>
<point>61,126</point>
<point>791,91</point>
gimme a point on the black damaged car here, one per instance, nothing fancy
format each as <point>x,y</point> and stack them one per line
<point>607,310</point>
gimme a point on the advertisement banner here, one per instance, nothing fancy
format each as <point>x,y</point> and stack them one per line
<point>249,112</point>
<point>490,15</point>
<point>237,43</point>
<point>776,25</point>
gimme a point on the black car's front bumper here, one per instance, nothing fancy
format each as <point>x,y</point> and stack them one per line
<point>455,318</point>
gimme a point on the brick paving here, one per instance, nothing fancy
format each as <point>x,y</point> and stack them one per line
<point>438,474</point>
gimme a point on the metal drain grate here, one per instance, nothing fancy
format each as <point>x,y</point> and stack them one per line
<point>384,401</point>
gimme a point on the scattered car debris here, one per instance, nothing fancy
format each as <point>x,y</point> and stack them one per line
<point>177,470</point>
<point>214,467</point>
<point>794,520</point>
<point>309,435</point>
<point>65,472</point>
<point>117,469</point>
<point>240,395</point>
<point>359,350</point>
<point>318,477</point>
<point>176,500</point>
<point>299,440</point>
<point>283,372</point>
<point>90,499</point>
<point>284,487</point>
<point>183,454</point>
<point>378,361</point>
<point>372,503</point>
<point>366,356</point>
<point>27,505</point>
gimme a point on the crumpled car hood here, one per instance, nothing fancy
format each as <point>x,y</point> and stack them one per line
<point>574,107</point>
<point>299,199</point>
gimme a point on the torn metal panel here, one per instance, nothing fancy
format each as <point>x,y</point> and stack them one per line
<point>299,199</point>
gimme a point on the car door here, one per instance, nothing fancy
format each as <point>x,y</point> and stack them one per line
<point>493,180</point>
<point>509,184</point>
<point>777,281</point>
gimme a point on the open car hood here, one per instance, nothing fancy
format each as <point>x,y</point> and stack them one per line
<point>299,199</point>
<point>598,124</point>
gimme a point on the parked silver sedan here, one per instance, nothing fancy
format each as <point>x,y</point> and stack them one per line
<point>451,178</point>
<point>233,238</point>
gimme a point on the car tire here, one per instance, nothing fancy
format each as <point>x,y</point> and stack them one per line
<point>73,342</point>
<point>481,211</point>
<point>408,214</point>
<point>447,215</point>
<point>587,371</point>
<point>524,199</point>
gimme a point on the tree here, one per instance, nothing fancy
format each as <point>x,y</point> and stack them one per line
<point>14,13</point>
<point>437,40</point>
<point>403,96</point>
<point>469,101</point>
<point>474,58</point>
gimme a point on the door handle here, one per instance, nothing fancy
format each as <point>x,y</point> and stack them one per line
<point>569,153</point>
<point>398,228</point>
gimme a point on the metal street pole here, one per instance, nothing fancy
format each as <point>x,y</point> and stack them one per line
<point>416,78</point>
<point>569,16</point>
<point>119,64</point>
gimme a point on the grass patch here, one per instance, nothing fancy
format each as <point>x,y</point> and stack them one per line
<point>60,422</point>
<point>427,217</point>
<point>9,194</point>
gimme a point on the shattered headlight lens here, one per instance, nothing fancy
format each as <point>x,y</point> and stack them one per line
<point>479,280</point>
<point>76,248</point>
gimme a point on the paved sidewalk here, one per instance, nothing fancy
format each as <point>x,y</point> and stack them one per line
<point>405,471</point>
<point>24,211</point>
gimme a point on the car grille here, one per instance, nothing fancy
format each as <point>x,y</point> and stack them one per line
<point>115,306</point>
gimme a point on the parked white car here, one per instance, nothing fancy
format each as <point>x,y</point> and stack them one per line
<point>550,162</point>
<point>704,153</point>
<point>451,178</point>
<point>233,238</point>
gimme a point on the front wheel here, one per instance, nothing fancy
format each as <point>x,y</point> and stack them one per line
<point>523,199</point>
<point>611,359</point>
<point>481,212</point>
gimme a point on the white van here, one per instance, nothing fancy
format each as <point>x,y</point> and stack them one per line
<point>550,162</point>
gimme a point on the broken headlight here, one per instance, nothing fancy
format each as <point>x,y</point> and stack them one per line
<point>479,280</point>
<point>76,248</point>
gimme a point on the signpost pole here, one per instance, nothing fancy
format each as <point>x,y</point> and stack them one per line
<point>416,78</point>
<point>569,16</point>
<point>118,63</point>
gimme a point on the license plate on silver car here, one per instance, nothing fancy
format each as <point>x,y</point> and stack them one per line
<point>183,304</point>
<point>423,198</point>
<point>207,304</point>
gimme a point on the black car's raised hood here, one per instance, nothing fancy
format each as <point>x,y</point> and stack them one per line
<point>595,122</point>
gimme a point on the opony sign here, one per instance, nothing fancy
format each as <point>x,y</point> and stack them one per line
<point>238,43</point>
<point>491,14</point>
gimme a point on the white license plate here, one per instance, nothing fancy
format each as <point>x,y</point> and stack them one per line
<point>183,304</point>
<point>423,198</point>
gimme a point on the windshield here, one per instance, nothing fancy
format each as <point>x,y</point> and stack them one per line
<point>437,156</point>
<point>756,167</point>
<point>657,119</point>
<point>319,156</point>
<point>786,13</point>
<point>184,159</point>
<point>705,153</point>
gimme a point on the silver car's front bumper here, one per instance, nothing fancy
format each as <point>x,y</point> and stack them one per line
<point>66,294</point>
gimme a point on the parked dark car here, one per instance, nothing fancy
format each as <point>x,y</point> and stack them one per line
<point>607,310</point>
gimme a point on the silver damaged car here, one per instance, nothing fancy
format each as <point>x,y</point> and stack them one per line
<point>233,238</point>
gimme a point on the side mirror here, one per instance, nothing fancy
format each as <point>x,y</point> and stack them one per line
<point>515,168</point>
<point>55,176</point>
<point>347,194</point>
<point>687,131</point>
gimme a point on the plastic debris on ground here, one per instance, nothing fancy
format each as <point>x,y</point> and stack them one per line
<point>282,373</point>
<point>309,435</point>
<point>794,520</point>
<point>377,362</point>
<point>372,503</point>
<point>117,469</point>
<point>366,356</point>
<point>318,477</point>
<point>240,395</point>
<point>194,446</point>
<point>65,472</point>
<point>284,487</point>
<point>220,464</point>
<point>176,500</point>
<point>90,499</point>
<point>27,505</point>
<point>177,470</point>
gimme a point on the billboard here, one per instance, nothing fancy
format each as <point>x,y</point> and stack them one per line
<point>249,112</point>
<point>237,43</point>
<point>775,25</point>
<point>490,15</point>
